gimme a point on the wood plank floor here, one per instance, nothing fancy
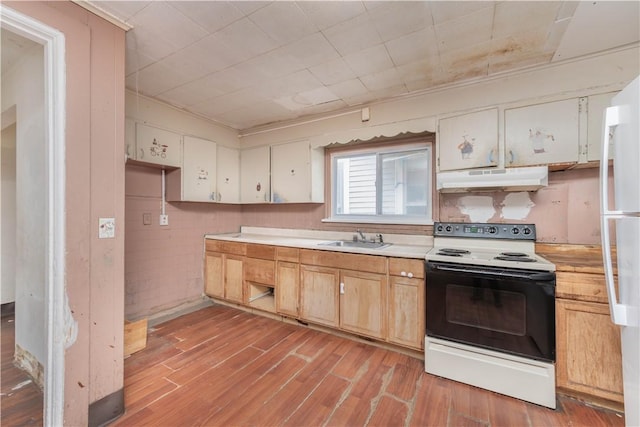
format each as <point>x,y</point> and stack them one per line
<point>20,399</point>
<point>220,367</point>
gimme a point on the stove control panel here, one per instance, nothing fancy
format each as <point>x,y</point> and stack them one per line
<point>485,231</point>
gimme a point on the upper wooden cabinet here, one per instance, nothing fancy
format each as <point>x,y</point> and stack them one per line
<point>228,175</point>
<point>595,130</point>
<point>468,141</point>
<point>543,134</point>
<point>297,173</point>
<point>254,175</point>
<point>157,146</point>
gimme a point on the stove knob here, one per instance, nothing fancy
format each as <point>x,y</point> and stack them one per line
<point>440,228</point>
<point>515,230</point>
<point>526,231</point>
<point>492,229</point>
<point>448,228</point>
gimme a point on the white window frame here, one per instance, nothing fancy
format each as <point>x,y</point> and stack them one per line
<point>381,219</point>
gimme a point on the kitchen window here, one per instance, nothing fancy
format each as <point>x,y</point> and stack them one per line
<point>390,185</point>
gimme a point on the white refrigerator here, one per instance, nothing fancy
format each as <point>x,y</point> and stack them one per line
<point>622,132</point>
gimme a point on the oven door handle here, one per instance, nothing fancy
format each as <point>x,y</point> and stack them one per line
<point>543,276</point>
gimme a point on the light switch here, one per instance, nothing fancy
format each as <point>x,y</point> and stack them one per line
<point>107,228</point>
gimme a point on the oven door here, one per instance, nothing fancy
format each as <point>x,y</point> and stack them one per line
<point>508,310</point>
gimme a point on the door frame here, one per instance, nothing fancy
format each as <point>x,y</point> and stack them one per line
<point>56,304</point>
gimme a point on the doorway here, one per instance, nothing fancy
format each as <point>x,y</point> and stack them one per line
<point>33,91</point>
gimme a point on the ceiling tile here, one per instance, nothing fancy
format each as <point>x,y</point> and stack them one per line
<point>312,50</point>
<point>419,73</point>
<point>245,37</point>
<point>396,19</point>
<point>136,59</point>
<point>300,81</point>
<point>359,99</point>
<point>519,50</point>
<point>382,80</point>
<point>189,94</point>
<point>511,18</point>
<point>228,102</point>
<point>390,92</point>
<point>466,31</point>
<point>349,88</point>
<point>283,21</point>
<point>166,25</point>
<point>276,63</point>
<point>148,46</point>
<point>122,9</point>
<point>333,72</point>
<point>443,11</point>
<point>154,79</point>
<point>353,35</point>
<point>413,47</point>
<point>325,14</point>
<point>369,61</point>
<point>248,7</point>
<point>210,16</point>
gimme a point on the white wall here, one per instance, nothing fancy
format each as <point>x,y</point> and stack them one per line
<point>23,86</point>
<point>8,208</point>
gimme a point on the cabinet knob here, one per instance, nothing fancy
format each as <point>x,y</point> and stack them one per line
<point>142,153</point>
<point>511,157</point>
<point>410,275</point>
<point>403,273</point>
<point>293,171</point>
<point>341,288</point>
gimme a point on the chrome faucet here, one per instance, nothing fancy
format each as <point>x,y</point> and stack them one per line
<point>361,234</point>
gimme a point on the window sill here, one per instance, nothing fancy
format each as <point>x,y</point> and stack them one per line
<point>367,220</point>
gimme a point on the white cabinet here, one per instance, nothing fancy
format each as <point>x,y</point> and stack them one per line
<point>195,181</point>
<point>254,175</point>
<point>158,146</point>
<point>297,173</point>
<point>228,175</point>
<point>543,134</point>
<point>468,141</point>
<point>595,116</point>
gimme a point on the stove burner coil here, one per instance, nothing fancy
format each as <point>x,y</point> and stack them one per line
<point>515,258</point>
<point>450,251</point>
<point>449,254</point>
<point>514,254</point>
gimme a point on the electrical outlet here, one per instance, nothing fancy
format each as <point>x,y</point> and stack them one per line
<point>106,228</point>
<point>164,219</point>
<point>146,219</point>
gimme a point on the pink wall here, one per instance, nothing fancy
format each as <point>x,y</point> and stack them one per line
<point>94,187</point>
<point>567,211</point>
<point>164,265</point>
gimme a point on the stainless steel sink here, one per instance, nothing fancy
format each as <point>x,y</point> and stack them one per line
<point>356,244</point>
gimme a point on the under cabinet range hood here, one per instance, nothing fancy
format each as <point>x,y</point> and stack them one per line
<point>509,179</point>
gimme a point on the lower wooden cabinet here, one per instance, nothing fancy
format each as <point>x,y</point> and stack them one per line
<point>588,354</point>
<point>363,302</point>
<point>287,286</point>
<point>406,311</point>
<point>373,296</point>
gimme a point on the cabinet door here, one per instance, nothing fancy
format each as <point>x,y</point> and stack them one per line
<point>588,350</point>
<point>214,275</point>
<point>129,139</point>
<point>254,175</point>
<point>293,173</point>
<point>319,295</point>
<point>287,284</point>
<point>468,141</point>
<point>228,175</point>
<point>597,105</point>
<point>198,170</point>
<point>543,134</point>
<point>157,146</point>
<point>233,278</point>
<point>406,311</point>
<point>363,302</point>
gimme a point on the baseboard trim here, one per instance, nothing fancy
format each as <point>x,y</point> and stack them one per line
<point>107,409</point>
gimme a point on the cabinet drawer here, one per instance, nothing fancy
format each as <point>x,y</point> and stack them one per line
<point>581,286</point>
<point>261,251</point>
<point>287,254</point>
<point>260,271</point>
<point>398,266</point>
<point>226,247</point>
<point>356,262</point>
